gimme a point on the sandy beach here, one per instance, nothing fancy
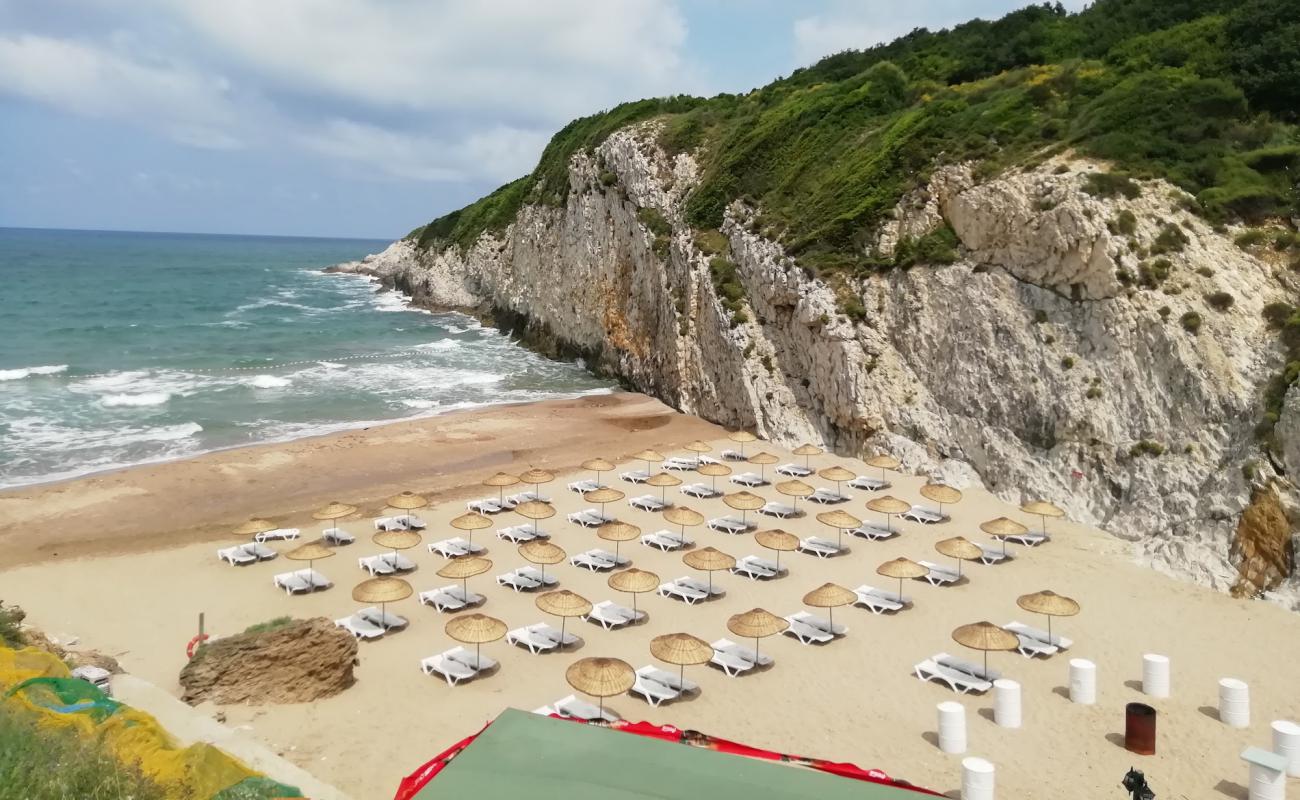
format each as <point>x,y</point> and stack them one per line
<point>125,562</point>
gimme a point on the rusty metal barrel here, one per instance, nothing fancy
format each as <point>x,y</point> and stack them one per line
<point>1140,729</point>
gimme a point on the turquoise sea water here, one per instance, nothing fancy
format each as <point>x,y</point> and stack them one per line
<point>123,348</point>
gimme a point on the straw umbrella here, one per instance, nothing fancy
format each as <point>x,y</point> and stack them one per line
<point>597,465</point>
<point>464,568</point>
<point>650,457</point>
<point>742,438</point>
<point>683,517</point>
<point>1049,603</point>
<point>698,447</point>
<point>828,596</point>
<point>744,502</point>
<point>535,510</point>
<point>618,532</point>
<point>476,629</point>
<point>633,581</point>
<point>960,548</point>
<point>535,478</point>
<point>883,462</point>
<point>941,494</point>
<point>777,540</point>
<point>310,552</point>
<point>603,496</point>
<point>903,569</point>
<point>839,475</point>
<point>807,451</point>
<point>396,540</point>
<point>382,591</point>
<point>709,560</point>
<point>564,604</point>
<point>763,460</point>
<point>252,527</point>
<point>663,480</point>
<point>501,480</point>
<point>714,471</point>
<point>334,512</point>
<point>600,677</point>
<point>406,501</point>
<point>1001,528</point>
<point>542,553</point>
<point>469,523</point>
<point>755,624</point>
<point>681,649</point>
<point>841,521</point>
<point>985,636</point>
<point>795,489</point>
<point>1042,509</point>
<point>889,506</point>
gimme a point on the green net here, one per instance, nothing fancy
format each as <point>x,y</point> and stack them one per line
<point>67,696</point>
<point>257,788</point>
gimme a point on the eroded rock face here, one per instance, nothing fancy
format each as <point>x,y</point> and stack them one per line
<point>1037,364</point>
<point>1263,545</point>
<point>304,661</point>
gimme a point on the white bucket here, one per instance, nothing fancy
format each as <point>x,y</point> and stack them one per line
<point>1006,703</point>
<point>1266,784</point>
<point>1286,743</point>
<point>952,727</point>
<point>1083,681</point>
<point>1234,703</point>
<point>976,779</point>
<point>1155,675</point>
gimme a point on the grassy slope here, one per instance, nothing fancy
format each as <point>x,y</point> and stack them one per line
<point>1202,92</point>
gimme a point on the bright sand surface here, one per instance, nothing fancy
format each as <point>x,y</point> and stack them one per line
<point>115,587</point>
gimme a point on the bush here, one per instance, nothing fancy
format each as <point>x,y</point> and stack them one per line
<point>853,308</point>
<point>608,178</point>
<point>11,634</point>
<point>1250,238</point>
<point>1205,272</point>
<point>1067,362</point>
<point>654,221</point>
<point>727,285</point>
<point>939,246</point>
<point>712,242</point>
<point>1146,447</point>
<point>1276,314</point>
<point>1164,312</point>
<point>1111,184</point>
<point>270,625</point>
<point>1040,316</point>
<point>1093,392</point>
<point>1191,322</point>
<point>1220,301</point>
<point>1125,223</point>
<point>1171,239</point>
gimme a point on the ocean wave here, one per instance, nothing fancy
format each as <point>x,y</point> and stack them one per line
<point>409,403</point>
<point>268,382</point>
<point>270,303</point>
<point>135,400</point>
<point>441,344</point>
<point>27,372</point>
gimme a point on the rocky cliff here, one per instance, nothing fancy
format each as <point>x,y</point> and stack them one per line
<point>299,662</point>
<point>1107,351</point>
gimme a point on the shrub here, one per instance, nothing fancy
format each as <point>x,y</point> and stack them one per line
<point>1220,301</point>
<point>11,634</point>
<point>1171,239</point>
<point>853,308</point>
<point>1111,184</point>
<point>1250,238</point>
<point>1285,240</point>
<point>1276,314</point>
<point>608,178</point>
<point>712,242</point>
<point>654,221</point>
<point>1146,447</point>
<point>727,285</point>
<point>939,246</point>
<point>1040,316</point>
<point>1067,362</point>
<point>1093,392</point>
<point>270,625</point>
<point>1191,322</point>
<point>1205,272</point>
<point>1125,223</point>
<point>1164,312</point>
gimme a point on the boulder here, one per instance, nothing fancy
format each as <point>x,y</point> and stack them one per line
<point>300,662</point>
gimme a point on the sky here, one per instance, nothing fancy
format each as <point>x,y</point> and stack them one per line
<point>359,118</point>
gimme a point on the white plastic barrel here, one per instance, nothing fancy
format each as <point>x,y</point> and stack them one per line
<point>1234,703</point>
<point>1155,675</point>
<point>1266,783</point>
<point>1286,743</point>
<point>952,727</point>
<point>1083,681</point>
<point>1006,703</point>
<point>976,779</point>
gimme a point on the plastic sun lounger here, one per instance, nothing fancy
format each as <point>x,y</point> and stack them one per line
<point>664,540</point>
<point>828,497</point>
<point>610,615</point>
<point>635,476</point>
<point>450,669</point>
<point>682,464</point>
<point>750,479</point>
<point>648,502</point>
<point>653,691</point>
<point>594,560</point>
<point>478,663</point>
<point>805,633</point>
<point>552,633</point>
<point>960,682</point>
<point>730,525</point>
<point>682,592</point>
<point>755,568</point>
<point>993,555</point>
<point>820,623</point>
<point>376,565</point>
<point>522,533</point>
<point>389,622</point>
<point>360,627</point>
<point>278,533</point>
<point>878,601</point>
<point>700,491</point>
<point>442,600</point>
<point>398,561</point>
<point>868,483</point>
<point>1027,539</point>
<point>817,546</point>
<point>303,580</point>
<point>1021,629</point>
<point>518,582</point>
<point>584,486</point>
<point>390,524</point>
<point>338,536</point>
<point>729,650</point>
<point>925,515</point>
<point>875,531</point>
<point>669,679</point>
<point>454,548</point>
<point>485,505</point>
<point>781,510</point>
<point>236,555</point>
<point>794,471</point>
<point>571,706</point>
<point>588,518</point>
<point>732,455</point>
<point>535,642</point>
<point>525,497</point>
<point>700,586</point>
<point>535,574</point>
<point>938,575</point>
<point>967,667</point>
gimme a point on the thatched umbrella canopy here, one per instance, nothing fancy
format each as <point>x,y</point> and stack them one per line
<point>709,560</point>
<point>683,517</point>
<point>469,523</point>
<point>309,552</point>
<point>633,581</point>
<point>889,506</point>
<point>778,541</point>
<point>714,471</point>
<point>396,540</point>
<point>742,438</point>
<point>382,591</point>
<point>839,475</point>
<point>795,489</point>
<point>334,512</point>
<point>597,465</point>
<point>1042,509</point>
<point>681,649</point>
<point>807,451</point>
<point>756,624</point>
<point>464,568</point>
<point>1001,528</point>
<point>941,494</point>
<point>542,553</point>
<point>763,460</point>
<point>650,457</point>
<point>698,446</point>
<point>535,478</point>
<point>476,629</point>
<point>903,569</point>
<point>883,462</point>
<point>744,502</point>
<point>501,480</point>
<point>663,480</point>
<point>841,521</point>
<point>829,596</point>
<point>960,548</point>
<point>600,677</point>
<point>535,510</point>
<point>1050,604</point>
<point>603,496</point>
<point>252,527</point>
<point>618,532</point>
<point>406,501</point>
<point>564,604</point>
<point>985,636</point>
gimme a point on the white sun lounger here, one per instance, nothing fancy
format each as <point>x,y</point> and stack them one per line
<point>535,574</point>
<point>485,505</point>
<point>924,514</point>
<point>774,509</point>
<point>610,615</point>
<point>478,663</point>
<point>376,565</point>
<point>279,533</point>
<point>635,476</point>
<point>455,547</point>
<point>246,553</point>
<point>390,524</point>
<point>525,497</point>
<point>820,623</point>
<point>303,580</point>
<point>659,686</point>
<point>735,659</point>
<point>700,586</point>
<point>957,680</point>
<point>665,540</point>
<point>450,669</point>
<point>648,502</point>
<point>993,555</point>
<point>1039,635</point>
<point>794,471</point>
<point>730,525</point>
<point>572,707</point>
<point>968,667</point>
<point>681,591</point>
<point>939,575</point>
<point>750,479</point>
<point>360,627</point>
<point>682,463</point>
<point>589,518</point>
<point>668,679</point>
<point>389,622</point>
<point>442,600</point>
<point>732,455</point>
<point>700,491</point>
<point>754,568</point>
<point>875,531</point>
<point>535,642</point>
<point>1027,539</point>
<point>805,633</point>
<point>596,560</point>
<point>521,533</point>
<point>584,486</point>
<point>828,497</point>
<point>337,536</point>
<point>817,546</point>
<point>868,483</point>
<point>878,601</point>
<point>518,582</point>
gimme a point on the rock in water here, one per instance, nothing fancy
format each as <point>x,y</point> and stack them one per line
<point>303,661</point>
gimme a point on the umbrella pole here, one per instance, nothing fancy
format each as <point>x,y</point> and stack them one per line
<point>755,651</point>
<point>681,674</point>
<point>900,590</point>
<point>1049,628</point>
<point>778,560</point>
<point>1004,545</point>
<point>478,650</point>
<point>959,568</point>
<point>564,620</point>
<point>633,606</point>
<point>986,664</point>
<point>464,586</point>
<point>710,581</point>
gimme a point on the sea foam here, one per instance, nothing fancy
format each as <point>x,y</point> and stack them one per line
<point>134,400</point>
<point>268,382</point>
<point>27,372</point>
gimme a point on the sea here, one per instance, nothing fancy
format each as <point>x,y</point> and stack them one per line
<point>121,348</point>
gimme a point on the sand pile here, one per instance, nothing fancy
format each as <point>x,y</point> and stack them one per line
<point>297,663</point>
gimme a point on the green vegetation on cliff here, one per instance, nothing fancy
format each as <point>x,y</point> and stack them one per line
<point>1205,93</point>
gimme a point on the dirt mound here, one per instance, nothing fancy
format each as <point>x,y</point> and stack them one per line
<point>296,663</point>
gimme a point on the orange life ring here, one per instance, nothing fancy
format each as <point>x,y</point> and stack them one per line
<point>194,643</point>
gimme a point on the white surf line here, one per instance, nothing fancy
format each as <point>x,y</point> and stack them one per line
<point>263,367</point>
